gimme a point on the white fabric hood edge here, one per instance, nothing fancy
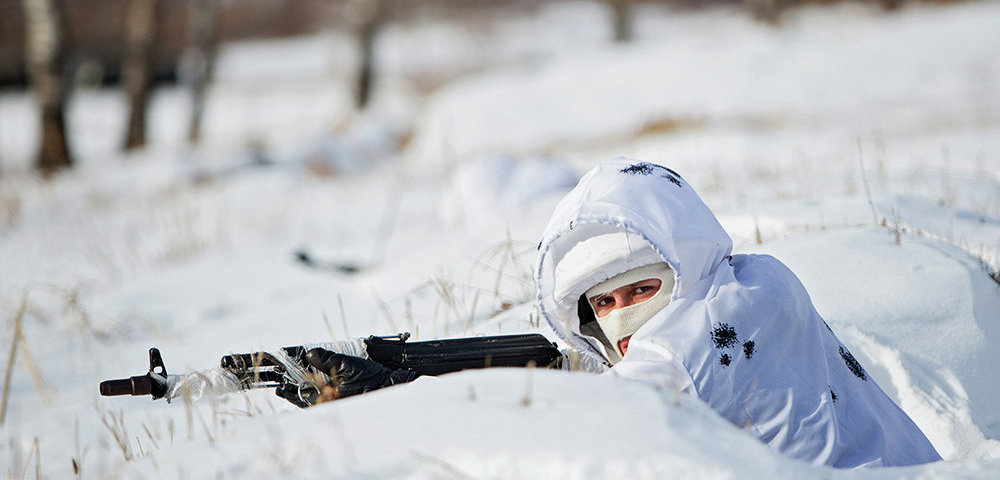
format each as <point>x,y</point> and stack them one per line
<point>645,199</point>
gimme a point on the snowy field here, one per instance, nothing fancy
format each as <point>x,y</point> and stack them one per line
<point>861,148</point>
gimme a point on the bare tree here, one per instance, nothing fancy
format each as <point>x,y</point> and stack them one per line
<point>621,19</point>
<point>198,60</point>
<point>767,11</point>
<point>44,31</point>
<point>140,29</point>
<point>891,5</point>
<point>370,16</point>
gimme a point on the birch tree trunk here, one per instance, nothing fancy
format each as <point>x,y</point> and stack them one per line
<point>767,11</point>
<point>44,53</point>
<point>371,14</point>
<point>621,19</point>
<point>137,66</point>
<point>198,61</point>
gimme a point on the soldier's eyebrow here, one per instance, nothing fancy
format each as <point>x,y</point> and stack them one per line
<point>599,297</point>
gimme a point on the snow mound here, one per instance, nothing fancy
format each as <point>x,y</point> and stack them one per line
<point>500,423</point>
<point>497,186</point>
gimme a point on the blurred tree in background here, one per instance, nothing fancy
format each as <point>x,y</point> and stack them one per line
<point>136,45</point>
<point>198,60</point>
<point>44,59</point>
<point>137,68</point>
<point>370,15</point>
<point>621,19</point>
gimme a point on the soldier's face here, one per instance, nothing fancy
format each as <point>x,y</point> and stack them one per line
<point>622,297</point>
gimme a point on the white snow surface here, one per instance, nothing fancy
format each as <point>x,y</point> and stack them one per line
<point>861,148</point>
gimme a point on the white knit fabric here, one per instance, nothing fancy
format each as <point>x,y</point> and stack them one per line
<point>624,321</point>
<point>739,332</point>
<point>660,271</point>
<point>597,259</point>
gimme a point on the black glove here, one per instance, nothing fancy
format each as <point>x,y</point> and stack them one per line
<point>354,375</point>
<point>349,376</point>
<point>302,399</point>
<point>157,385</point>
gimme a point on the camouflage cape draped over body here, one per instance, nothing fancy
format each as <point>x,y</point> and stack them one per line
<point>740,332</point>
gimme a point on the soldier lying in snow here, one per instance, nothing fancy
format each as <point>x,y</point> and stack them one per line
<point>637,276</point>
<point>635,269</point>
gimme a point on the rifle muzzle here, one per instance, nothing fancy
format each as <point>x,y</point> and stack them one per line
<point>135,386</point>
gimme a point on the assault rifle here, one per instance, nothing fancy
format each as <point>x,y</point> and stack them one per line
<point>290,369</point>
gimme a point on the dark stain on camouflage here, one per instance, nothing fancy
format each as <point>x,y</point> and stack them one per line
<point>852,364</point>
<point>833,396</point>
<point>644,168</point>
<point>672,179</point>
<point>748,349</point>
<point>724,336</point>
<point>638,169</point>
<point>725,360</point>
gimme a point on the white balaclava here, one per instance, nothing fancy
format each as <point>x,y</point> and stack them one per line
<point>623,322</point>
<point>605,262</point>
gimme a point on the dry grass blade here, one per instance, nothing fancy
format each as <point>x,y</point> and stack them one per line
<point>27,461</point>
<point>329,329</point>
<point>38,460</point>
<point>526,401</point>
<point>78,457</point>
<point>447,467</point>
<point>13,355</point>
<point>343,316</point>
<point>472,314</point>
<point>509,268</point>
<point>384,308</point>
<point>187,412</point>
<point>41,386</point>
<point>116,426</point>
<point>152,439</point>
<point>864,180</point>
<point>204,426</point>
<point>756,232</point>
<point>251,408</point>
<point>386,226</point>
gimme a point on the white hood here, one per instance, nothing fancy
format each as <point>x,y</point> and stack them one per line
<point>740,332</point>
<point>644,199</point>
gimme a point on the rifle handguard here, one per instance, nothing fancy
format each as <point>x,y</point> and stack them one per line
<point>437,357</point>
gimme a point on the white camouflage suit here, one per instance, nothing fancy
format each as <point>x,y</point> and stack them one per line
<point>740,331</point>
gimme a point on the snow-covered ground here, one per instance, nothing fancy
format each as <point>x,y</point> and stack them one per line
<point>861,148</point>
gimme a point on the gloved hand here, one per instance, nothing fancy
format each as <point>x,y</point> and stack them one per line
<point>349,376</point>
<point>158,384</point>
<point>354,375</point>
<point>291,392</point>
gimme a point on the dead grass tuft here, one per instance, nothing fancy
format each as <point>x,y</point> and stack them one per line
<point>115,425</point>
<point>11,209</point>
